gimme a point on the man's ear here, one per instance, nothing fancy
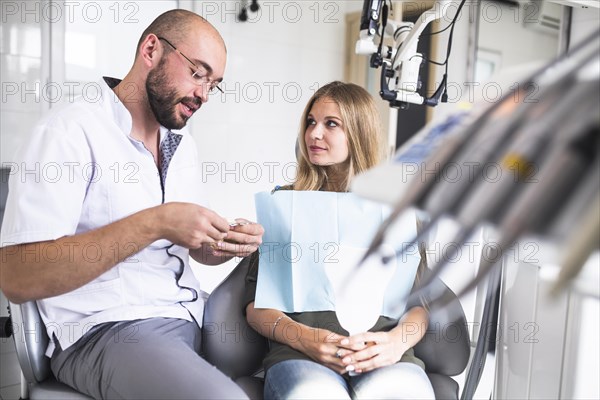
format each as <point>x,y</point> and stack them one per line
<point>150,50</point>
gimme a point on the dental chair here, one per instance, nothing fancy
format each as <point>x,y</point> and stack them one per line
<point>231,344</point>
<point>31,340</point>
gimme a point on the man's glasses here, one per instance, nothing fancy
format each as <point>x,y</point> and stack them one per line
<point>199,74</point>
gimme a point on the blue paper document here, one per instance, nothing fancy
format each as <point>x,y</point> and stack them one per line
<point>314,240</point>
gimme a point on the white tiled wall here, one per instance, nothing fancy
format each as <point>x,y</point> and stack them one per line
<point>21,71</point>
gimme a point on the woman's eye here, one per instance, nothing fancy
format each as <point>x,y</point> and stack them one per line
<point>310,121</point>
<point>332,124</point>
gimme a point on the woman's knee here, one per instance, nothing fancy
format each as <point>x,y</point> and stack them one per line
<point>398,381</point>
<point>301,379</point>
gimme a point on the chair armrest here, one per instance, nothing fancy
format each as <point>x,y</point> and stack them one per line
<point>445,349</point>
<point>228,341</point>
<point>31,341</point>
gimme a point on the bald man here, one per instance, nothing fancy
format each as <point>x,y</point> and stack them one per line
<point>103,244</point>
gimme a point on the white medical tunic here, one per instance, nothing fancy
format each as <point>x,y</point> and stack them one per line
<point>82,170</point>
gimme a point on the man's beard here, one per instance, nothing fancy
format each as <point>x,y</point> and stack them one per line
<point>163,99</point>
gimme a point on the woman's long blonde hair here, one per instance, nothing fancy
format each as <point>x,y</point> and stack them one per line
<point>362,127</point>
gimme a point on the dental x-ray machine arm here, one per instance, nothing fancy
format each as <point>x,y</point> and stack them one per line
<point>401,62</point>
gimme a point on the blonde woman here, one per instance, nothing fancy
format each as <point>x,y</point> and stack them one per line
<point>339,138</point>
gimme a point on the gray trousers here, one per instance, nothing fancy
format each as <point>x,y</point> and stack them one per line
<point>155,358</point>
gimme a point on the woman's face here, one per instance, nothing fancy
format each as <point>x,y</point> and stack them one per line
<point>325,134</point>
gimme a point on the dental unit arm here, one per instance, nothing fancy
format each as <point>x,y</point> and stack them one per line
<point>400,62</point>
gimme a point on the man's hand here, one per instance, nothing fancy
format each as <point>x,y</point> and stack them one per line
<point>190,225</point>
<point>242,240</point>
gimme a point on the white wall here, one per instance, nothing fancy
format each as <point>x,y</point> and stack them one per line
<point>585,21</point>
<point>21,44</point>
<point>502,30</point>
<point>503,38</point>
<point>584,381</point>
